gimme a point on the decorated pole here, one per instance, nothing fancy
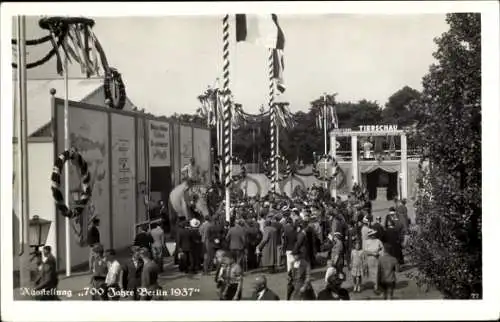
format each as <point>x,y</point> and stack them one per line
<point>272,109</point>
<point>325,134</point>
<point>22,143</point>
<point>226,135</point>
<point>67,226</point>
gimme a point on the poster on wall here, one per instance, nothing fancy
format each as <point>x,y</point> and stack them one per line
<point>88,133</point>
<point>201,153</point>
<point>159,144</point>
<point>123,178</point>
<point>186,144</point>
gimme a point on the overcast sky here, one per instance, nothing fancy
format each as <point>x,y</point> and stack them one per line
<point>167,62</point>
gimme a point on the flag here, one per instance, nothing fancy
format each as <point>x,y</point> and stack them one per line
<point>278,67</point>
<point>260,29</point>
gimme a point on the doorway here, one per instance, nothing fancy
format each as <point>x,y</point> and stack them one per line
<point>381,179</point>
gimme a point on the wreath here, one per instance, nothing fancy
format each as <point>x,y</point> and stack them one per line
<point>114,77</point>
<point>316,173</point>
<point>84,198</point>
<point>268,168</point>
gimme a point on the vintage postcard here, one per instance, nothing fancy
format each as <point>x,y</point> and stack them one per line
<point>191,154</point>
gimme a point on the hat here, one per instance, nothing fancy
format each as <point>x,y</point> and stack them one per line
<point>285,208</point>
<point>337,234</point>
<point>195,223</point>
<point>266,204</point>
<point>372,232</point>
<point>295,209</point>
<point>365,220</point>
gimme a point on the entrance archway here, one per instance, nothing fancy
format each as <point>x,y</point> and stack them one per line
<point>379,178</point>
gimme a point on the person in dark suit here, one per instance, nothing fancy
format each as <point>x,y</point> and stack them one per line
<point>213,242</point>
<point>149,275</point>
<point>237,240</point>
<point>262,292</point>
<point>196,246</point>
<point>289,239</point>
<point>183,244</point>
<point>253,238</point>
<point>302,246</point>
<point>333,290</point>
<point>93,238</point>
<point>143,239</point>
<point>279,230</point>
<point>45,281</point>
<point>50,260</point>
<point>132,272</point>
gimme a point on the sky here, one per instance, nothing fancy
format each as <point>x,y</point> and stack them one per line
<point>166,62</point>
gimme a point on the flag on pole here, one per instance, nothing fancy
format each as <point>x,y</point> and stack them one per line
<point>264,30</point>
<point>330,113</point>
<point>260,29</point>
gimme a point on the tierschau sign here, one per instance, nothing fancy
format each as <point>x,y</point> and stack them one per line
<point>369,128</point>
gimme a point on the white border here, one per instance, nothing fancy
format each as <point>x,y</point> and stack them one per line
<point>216,311</point>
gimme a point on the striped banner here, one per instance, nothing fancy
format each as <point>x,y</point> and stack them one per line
<point>273,159</point>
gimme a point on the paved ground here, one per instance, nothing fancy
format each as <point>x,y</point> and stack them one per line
<point>202,287</point>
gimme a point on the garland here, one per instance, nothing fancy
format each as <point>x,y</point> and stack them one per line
<point>316,173</point>
<point>84,198</point>
<point>49,55</point>
<point>113,76</point>
<point>268,167</point>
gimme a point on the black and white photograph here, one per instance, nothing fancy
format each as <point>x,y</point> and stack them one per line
<point>231,151</point>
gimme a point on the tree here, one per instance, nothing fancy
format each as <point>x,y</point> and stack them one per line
<point>398,109</point>
<point>447,247</point>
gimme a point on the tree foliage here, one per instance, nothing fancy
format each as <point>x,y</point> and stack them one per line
<point>447,247</point>
<point>399,109</point>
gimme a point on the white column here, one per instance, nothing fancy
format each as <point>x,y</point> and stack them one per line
<point>354,158</point>
<point>404,167</point>
<point>333,153</point>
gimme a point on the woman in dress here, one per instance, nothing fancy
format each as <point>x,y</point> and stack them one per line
<point>373,248</point>
<point>357,266</point>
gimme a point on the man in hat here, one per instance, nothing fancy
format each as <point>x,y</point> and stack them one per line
<point>279,230</point>
<point>45,280</point>
<point>196,246</point>
<point>262,292</point>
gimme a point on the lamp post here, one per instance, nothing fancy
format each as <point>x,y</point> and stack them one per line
<point>38,232</point>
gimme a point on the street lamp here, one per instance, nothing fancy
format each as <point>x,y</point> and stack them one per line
<point>38,232</point>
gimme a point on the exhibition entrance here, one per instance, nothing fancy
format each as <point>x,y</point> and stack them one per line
<point>381,184</point>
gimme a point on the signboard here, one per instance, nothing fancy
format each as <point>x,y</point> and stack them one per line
<point>372,128</point>
<point>201,153</point>
<point>186,133</point>
<point>367,128</point>
<point>159,144</point>
<point>123,178</point>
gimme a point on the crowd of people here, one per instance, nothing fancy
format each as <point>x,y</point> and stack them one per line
<point>265,235</point>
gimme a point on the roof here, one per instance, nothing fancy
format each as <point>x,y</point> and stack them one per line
<point>39,98</point>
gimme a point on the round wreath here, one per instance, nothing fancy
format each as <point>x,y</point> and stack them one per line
<point>268,168</point>
<point>113,76</point>
<point>84,198</point>
<point>316,171</point>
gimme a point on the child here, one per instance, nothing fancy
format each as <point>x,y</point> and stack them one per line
<point>357,265</point>
<point>331,270</point>
<point>388,266</point>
